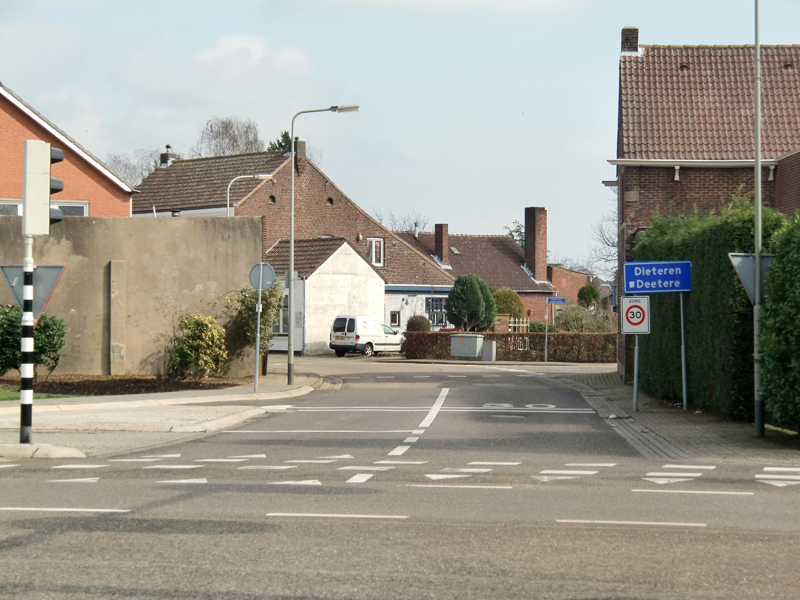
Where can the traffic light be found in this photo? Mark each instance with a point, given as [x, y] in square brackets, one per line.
[37, 186]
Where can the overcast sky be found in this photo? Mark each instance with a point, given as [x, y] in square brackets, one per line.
[471, 110]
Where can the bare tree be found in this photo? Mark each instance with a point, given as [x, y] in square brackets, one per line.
[134, 167]
[605, 252]
[223, 136]
[395, 222]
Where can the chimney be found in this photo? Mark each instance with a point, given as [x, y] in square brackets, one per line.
[167, 157]
[416, 230]
[442, 243]
[299, 148]
[630, 39]
[536, 242]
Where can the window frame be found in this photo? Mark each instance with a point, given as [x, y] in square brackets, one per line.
[371, 244]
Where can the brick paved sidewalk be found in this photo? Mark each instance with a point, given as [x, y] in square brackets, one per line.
[664, 430]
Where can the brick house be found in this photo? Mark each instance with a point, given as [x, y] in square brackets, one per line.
[685, 134]
[413, 280]
[91, 188]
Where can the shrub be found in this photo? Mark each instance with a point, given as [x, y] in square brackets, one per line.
[418, 323]
[509, 303]
[197, 349]
[588, 295]
[780, 328]
[239, 306]
[539, 327]
[489, 307]
[470, 304]
[48, 340]
[581, 320]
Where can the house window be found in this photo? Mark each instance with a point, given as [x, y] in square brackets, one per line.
[437, 311]
[73, 209]
[330, 201]
[394, 318]
[375, 251]
[282, 326]
[10, 208]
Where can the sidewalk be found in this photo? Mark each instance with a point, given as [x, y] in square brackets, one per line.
[102, 425]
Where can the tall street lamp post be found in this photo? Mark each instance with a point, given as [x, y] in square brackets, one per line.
[228, 203]
[290, 341]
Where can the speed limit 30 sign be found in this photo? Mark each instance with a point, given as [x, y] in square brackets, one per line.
[636, 314]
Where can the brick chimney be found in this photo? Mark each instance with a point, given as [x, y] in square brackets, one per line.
[536, 242]
[300, 148]
[630, 39]
[167, 158]
[442, 243]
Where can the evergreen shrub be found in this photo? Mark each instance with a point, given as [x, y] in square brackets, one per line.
[48, 340]
[197, 348]
[418, 323]
[509, 303]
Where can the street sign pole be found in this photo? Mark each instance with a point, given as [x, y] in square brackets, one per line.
[26, 347]
[636, 375]
[258, 325]
[683, 357]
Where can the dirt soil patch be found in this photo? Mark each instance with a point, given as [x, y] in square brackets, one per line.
[110, 385]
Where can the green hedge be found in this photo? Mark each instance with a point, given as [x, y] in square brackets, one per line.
[780, 329]
[719, 315]
[528, 347]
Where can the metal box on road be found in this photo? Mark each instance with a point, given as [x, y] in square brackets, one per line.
[466, 345]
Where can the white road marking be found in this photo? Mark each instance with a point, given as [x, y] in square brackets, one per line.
[313, 462]
[794, 477]
[335, 516]
[590, 465]
[81, 510]
[688, 467]
[776, 469]
[365, 468]
[7, 466]
[674, 474]
[221, 460]
[337, 457]
[499, 464]
[437, 476]
[507, 416]
[455, 376]
[399, 451]
[162, 456]
[492, 375]
[371, 431]
[777, 483]
[694, 492]
[303, 482]
[546, 479]
[250, 456]
[654, 523]
[466, 487]
[410, 440]
[186, 481]
[360, 478]
[79, 466]
[175, 467]
[269, 467]
[663, 480]
[385, 377]
[435, 408]
[455, 470]
[400, 462]
[567, 472]
[421, 376]
[350, 377]
[134, 459]
[417, 432]
[85, 480]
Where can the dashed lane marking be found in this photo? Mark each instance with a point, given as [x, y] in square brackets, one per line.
[145, 460]
[185, 481]
[457, 470]
[674, 474]
[787, 469]
[499, 464]
[428, 420]
[437, 476]
[653, 523]
[708, 467]
[507, 416]
[250, 456]
[663, 480]
[786, 477]
[567, 472]
[79, 510]
[410, 440]
[7, 466]
[78, 466]
[399, 451]
[590, 465]
[695, 492]
[268, 467]
[338, 456]
[310, 461]
[162, 456]
[336, 516]
[401, 462]
[360, 478]
[221, 460]
[552, 478]
[84, 480]
[466, 487]
[347, 431]
[175, 467]
[365, 468]
[303, 482]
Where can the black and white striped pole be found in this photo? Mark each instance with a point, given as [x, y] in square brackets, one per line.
[37, 185]
[26, 347]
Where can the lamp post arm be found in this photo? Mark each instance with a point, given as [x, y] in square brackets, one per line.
[228, 196]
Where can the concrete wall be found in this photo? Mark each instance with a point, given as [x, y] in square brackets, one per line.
[127, 281]
[344, 284]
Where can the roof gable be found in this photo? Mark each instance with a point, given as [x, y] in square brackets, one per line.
[63, 138]
[203, 182]
[309, 255]
[696, 102]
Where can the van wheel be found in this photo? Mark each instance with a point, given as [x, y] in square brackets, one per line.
[368, 350]
[340, 353]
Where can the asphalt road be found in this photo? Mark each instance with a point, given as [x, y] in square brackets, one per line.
[411, 481]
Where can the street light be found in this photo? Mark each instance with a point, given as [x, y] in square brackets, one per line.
[290, 341]
[228, 204]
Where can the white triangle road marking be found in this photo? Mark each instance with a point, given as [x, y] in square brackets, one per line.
[436, 476]
[304, 482]
[777, 483]
[360, 478]
[663, 480]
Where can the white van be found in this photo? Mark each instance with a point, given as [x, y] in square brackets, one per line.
[365, 334]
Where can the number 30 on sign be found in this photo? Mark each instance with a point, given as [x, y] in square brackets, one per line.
[636, 314]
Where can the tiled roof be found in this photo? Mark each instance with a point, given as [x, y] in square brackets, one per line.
[696, 102]
[62, 135]
[203, 182]
[308, 255]
[497, 259]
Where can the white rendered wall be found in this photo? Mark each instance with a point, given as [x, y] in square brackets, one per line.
[344, 284]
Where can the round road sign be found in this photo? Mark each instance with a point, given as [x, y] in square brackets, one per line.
[635, 315]
[264, 274]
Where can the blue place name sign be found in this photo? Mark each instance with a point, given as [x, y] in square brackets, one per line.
[556, 300]
[655, 277]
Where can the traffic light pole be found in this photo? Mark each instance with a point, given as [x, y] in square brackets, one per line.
[26, 347]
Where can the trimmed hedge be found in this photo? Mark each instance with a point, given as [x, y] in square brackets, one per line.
[528, 347]
[719, 316]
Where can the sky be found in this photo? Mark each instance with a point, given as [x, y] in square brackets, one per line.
[470, 110]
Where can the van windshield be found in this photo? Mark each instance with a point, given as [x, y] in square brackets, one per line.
[339, 325]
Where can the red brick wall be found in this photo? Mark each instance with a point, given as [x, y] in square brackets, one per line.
[567, 283]
[535, 304]
[321, 209]
[82, 182]
[536, 241]
[787, 184]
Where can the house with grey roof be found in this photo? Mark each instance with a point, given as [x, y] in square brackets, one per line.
[685, 135]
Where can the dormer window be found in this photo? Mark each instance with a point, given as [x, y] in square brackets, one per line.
[375, 251]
